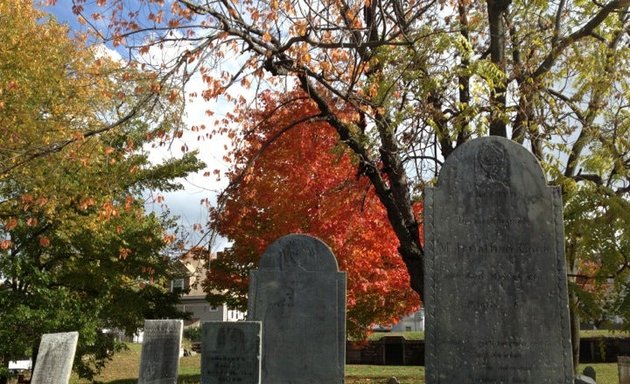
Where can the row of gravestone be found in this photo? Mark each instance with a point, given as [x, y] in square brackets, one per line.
[296, 333]
[296, 328]
[231, 354]
[495, 287]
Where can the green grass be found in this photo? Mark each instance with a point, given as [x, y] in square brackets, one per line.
[606, 373]
[603, 333]
[420, 335]
[363, 374]
[124, 370]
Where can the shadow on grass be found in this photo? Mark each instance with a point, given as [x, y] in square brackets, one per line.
[183, 379]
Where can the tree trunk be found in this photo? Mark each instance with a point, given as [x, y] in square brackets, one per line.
[3, 379]
[574, 318]
[575, 331]
[392, 189]
[413, 256]
[496, 11]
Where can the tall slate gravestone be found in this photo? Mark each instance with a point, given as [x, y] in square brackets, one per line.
[230, 352]
[54, 358]
[159, 359]
[496, 290]
[300, 296]
[623, 365]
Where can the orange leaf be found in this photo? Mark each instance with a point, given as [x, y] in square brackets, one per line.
[123, 253]
[44, 241]
[11, 224]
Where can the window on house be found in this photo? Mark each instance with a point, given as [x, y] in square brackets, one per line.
[177, 285]
[213, 308]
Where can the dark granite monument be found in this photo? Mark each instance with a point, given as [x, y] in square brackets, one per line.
[159, 359]
[231, 352]
[496, 289]
[55, 358]
[300, 296]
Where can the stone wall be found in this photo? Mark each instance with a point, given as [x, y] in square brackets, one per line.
[399, 351]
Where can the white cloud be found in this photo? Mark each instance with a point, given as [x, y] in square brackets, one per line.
[101, 51]
[186, 204]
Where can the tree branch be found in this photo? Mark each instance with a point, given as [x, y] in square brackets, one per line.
[585, 31]
[133, 113]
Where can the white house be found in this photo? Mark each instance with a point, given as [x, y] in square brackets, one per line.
[193, 269]
[413, 322]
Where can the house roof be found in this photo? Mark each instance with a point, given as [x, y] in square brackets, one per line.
[194, 263]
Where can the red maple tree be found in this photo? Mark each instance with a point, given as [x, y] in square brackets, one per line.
[304, 181]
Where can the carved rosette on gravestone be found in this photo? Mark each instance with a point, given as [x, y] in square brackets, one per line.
[54, 358]
[159, 359]
[495, 289]
[231, 352]
[300, 296]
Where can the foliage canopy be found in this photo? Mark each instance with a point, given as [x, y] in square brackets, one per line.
[77, 251]
[305, 182]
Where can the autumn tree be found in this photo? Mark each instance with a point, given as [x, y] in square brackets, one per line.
[306, 182]
[77, 250]
[421, 78]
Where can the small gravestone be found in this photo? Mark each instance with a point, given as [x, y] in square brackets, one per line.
[623, 364]
[590, 372]
[231, 352]
[300, 296]
[159, 359]
[54, 358]
[495, 289]
[583, 379]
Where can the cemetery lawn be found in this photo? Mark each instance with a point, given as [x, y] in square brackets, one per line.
[373, 374]
[124, 370]
[419, 335]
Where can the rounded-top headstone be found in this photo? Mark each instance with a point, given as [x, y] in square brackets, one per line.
[301, 252]
[495, 278]
[590, 372]
[299, 295]
[493, 160]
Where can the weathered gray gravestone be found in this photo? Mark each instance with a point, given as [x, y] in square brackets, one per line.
[583, 379]
[159, 359]
[590, 372]
[623, 364]
[54, 358]
[300, 296]
[230, 352]
[496, 290]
